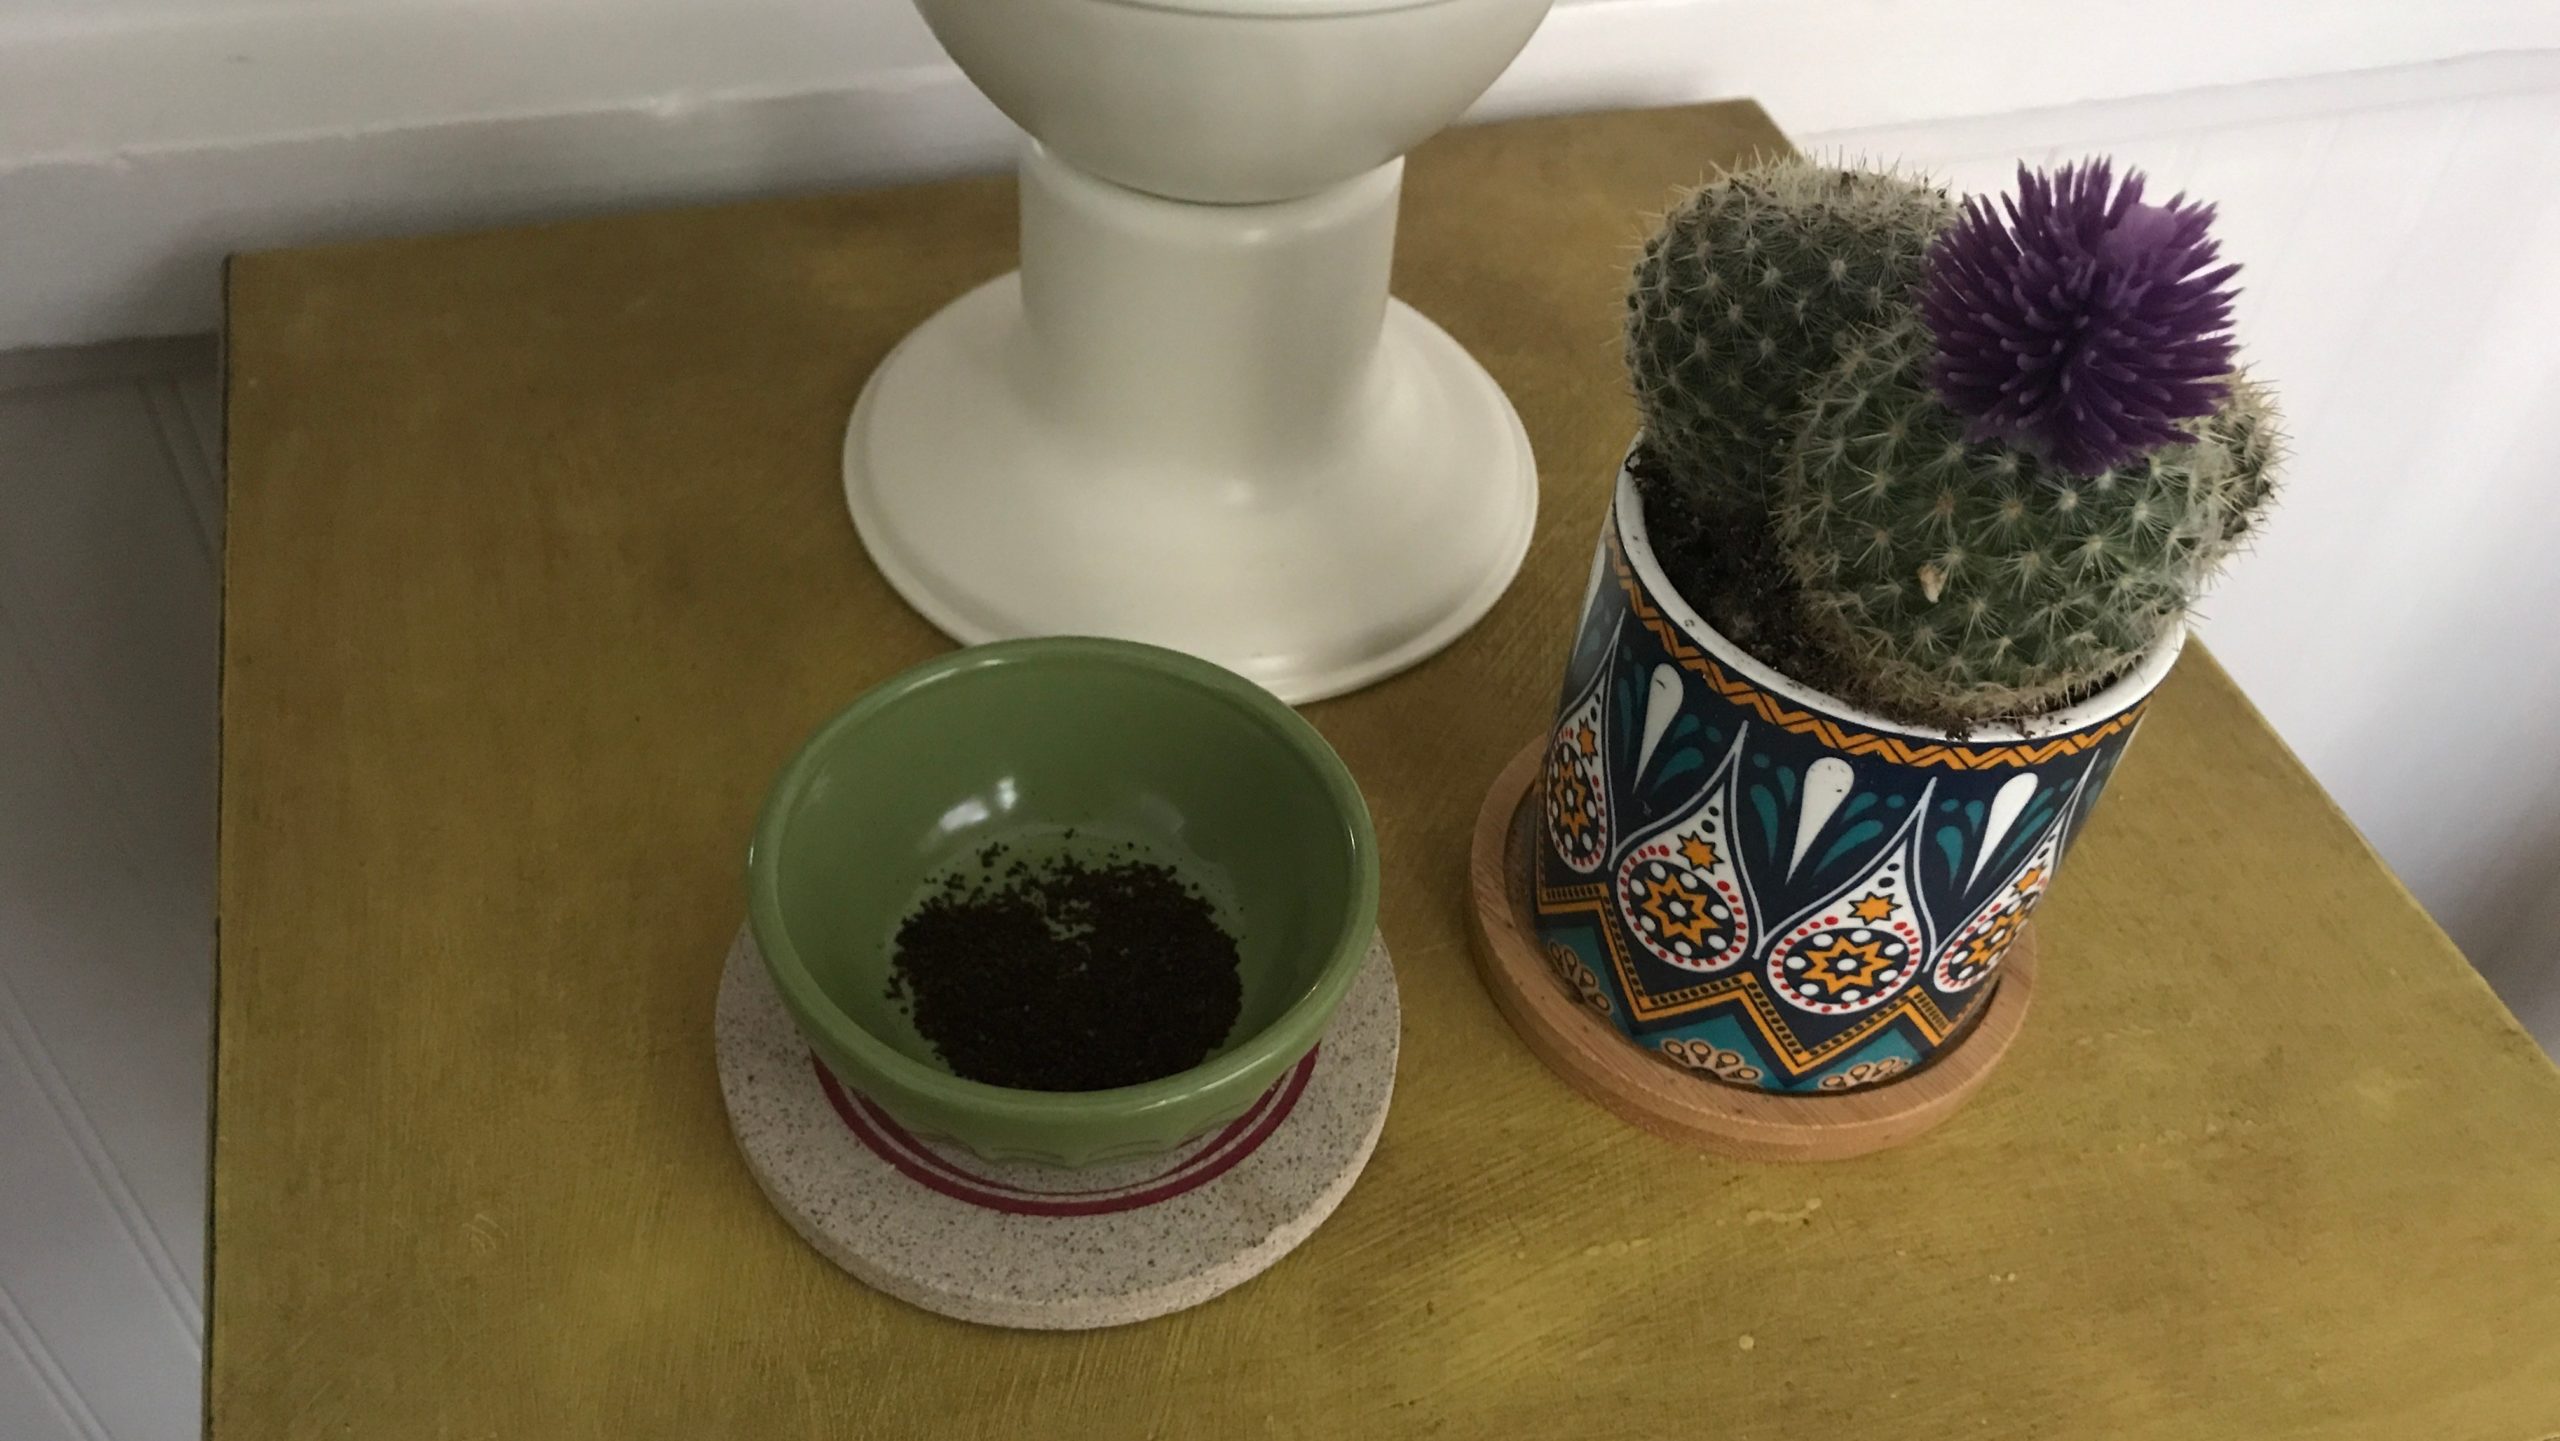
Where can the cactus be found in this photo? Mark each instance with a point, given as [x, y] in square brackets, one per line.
[1739, 301]
[1958, 580]
[1957, 465]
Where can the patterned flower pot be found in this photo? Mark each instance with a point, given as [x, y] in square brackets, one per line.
[1767, 885]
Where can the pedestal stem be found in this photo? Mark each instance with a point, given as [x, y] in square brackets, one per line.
[1211, 338]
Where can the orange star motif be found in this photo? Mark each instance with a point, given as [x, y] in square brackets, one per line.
[2027, 880]
[1987, 944]
[1589, 742]
[1569, 805]
[1677, 914]
[1701, 853]
[1842, 964]
[1872, 907]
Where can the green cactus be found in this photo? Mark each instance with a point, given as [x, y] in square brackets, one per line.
[1740, 300]
[1957, 581]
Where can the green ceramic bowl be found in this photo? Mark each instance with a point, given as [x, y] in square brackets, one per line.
[1020, 743]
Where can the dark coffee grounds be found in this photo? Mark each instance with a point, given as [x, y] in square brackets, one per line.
[1067, 975]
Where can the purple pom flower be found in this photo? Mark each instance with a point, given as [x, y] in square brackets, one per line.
[2086, 325]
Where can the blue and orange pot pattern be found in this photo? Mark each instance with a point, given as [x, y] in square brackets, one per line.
[1764, 884]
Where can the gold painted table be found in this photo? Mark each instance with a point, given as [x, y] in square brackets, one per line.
[538, 568]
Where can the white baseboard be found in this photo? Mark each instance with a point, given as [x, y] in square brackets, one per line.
[133, 156]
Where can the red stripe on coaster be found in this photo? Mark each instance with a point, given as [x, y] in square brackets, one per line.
[1203, 1154]
[895, 1145]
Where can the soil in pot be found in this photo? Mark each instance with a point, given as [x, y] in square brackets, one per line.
[1067, 972]
[1732, 574]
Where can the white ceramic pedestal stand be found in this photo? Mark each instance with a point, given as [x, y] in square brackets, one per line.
[1194, 417]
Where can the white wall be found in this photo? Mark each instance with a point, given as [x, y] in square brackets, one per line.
[26, 17]
[2387, 170]
[133, 156]
[109, 598]
[141, 141]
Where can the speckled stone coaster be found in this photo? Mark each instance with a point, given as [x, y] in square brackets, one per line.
[1020, 1244]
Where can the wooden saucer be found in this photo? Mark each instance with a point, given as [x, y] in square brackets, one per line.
[1600, 1062]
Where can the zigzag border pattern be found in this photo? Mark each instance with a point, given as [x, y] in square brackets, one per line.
[1830, 733]
[1742, 991]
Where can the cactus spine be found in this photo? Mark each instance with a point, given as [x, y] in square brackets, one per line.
[1743, 294]
[1961, 581]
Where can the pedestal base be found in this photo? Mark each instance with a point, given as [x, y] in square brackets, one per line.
[1329, 569]
[1595, 1059]
[1028, 1245]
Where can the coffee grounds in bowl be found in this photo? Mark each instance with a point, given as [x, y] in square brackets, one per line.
[1067, 975]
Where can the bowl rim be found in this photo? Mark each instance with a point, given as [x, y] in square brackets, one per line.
[1270, 1049]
